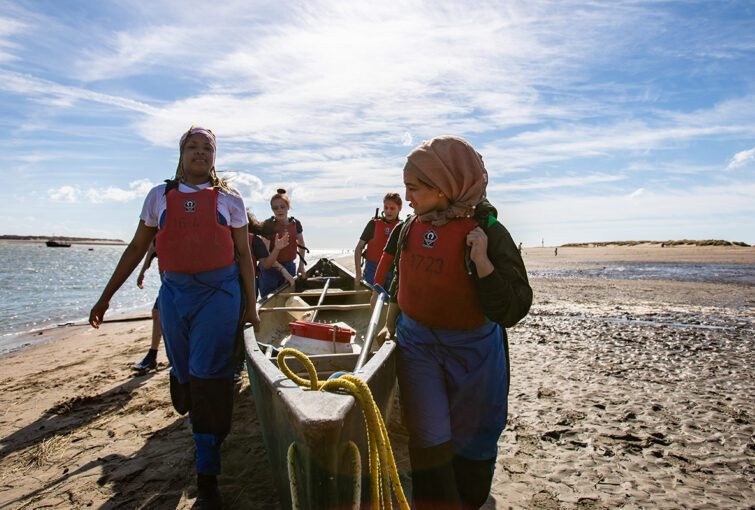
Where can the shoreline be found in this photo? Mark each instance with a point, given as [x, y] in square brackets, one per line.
[536, 259]
[41, 240]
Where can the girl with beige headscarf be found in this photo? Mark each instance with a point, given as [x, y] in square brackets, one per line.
[461, 281]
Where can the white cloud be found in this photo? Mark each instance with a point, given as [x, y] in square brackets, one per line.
[250, 186]
[137, 189]
[63, 194]
[637, 193]
[50, 93]
[9, 28]
[741, 158]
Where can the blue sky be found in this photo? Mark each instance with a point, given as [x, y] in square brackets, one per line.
[597, 121]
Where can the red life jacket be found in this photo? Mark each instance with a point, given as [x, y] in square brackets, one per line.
[377, 243]
[287, 254]
[434, 287]
[251, 250]
[192, 240]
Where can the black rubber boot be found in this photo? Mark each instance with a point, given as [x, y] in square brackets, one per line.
[180, 395]
[208, 495]
[433, 479]
[473, 479]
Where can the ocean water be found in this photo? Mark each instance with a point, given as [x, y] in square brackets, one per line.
[42, 287]
[734, 274]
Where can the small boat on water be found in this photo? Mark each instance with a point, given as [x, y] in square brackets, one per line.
[327, 317]
[52, 243]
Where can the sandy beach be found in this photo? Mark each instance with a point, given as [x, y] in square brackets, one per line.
[624, 393]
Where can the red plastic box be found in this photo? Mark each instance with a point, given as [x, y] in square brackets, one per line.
[318, 331]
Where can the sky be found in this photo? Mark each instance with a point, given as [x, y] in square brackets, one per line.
[596, 120]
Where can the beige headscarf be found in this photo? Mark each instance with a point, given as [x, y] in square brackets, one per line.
[451, 165]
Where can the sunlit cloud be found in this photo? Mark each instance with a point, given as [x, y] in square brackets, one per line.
[637, 193]
[51, 93]
[741, 159]
[136, 190]
[63, 194]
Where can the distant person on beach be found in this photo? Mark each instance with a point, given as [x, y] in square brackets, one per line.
[280, 224]
[520, 248]
[150, 360]
[555, 251]
[198, 221]
[459, 282]
[261, 258]
[374, 236]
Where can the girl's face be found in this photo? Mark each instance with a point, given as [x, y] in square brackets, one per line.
[197, 158]
[280, 209]
[421, 198]
[390, 210]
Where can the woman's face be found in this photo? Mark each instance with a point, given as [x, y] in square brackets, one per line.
[421, 198]
[280, 209]
[197, 158]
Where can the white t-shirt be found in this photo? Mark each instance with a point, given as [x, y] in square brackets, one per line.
[231, 207]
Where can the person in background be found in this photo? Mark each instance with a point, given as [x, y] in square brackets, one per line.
[460, 281]
[278, 225]
[374, 236]
[150, 360]
[261, 258]
[199, 224]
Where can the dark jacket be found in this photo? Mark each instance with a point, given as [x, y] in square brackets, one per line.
[505, 294]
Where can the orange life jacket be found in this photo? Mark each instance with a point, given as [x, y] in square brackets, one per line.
[192, 240]
[375, 245]
[287, 254]
[435, 288]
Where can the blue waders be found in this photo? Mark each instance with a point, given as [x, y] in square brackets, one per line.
[271, 279]
[199, 316]
[454, 394]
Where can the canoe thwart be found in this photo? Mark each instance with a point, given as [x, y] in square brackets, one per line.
[360, 306]
[330, 293]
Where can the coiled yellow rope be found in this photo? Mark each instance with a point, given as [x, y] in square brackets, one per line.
[381, 461]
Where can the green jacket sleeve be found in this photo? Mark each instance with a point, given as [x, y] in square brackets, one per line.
[505, 294]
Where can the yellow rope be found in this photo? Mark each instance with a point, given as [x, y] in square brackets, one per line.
[292, 484]
[383, 472]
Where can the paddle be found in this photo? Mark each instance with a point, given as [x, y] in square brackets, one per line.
[383, 297]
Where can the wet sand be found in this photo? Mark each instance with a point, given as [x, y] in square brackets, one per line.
[634, 393]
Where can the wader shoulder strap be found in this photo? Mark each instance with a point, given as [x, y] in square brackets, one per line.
[399, 246]
[170, 184]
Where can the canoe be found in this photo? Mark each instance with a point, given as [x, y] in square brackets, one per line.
[319, 424]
